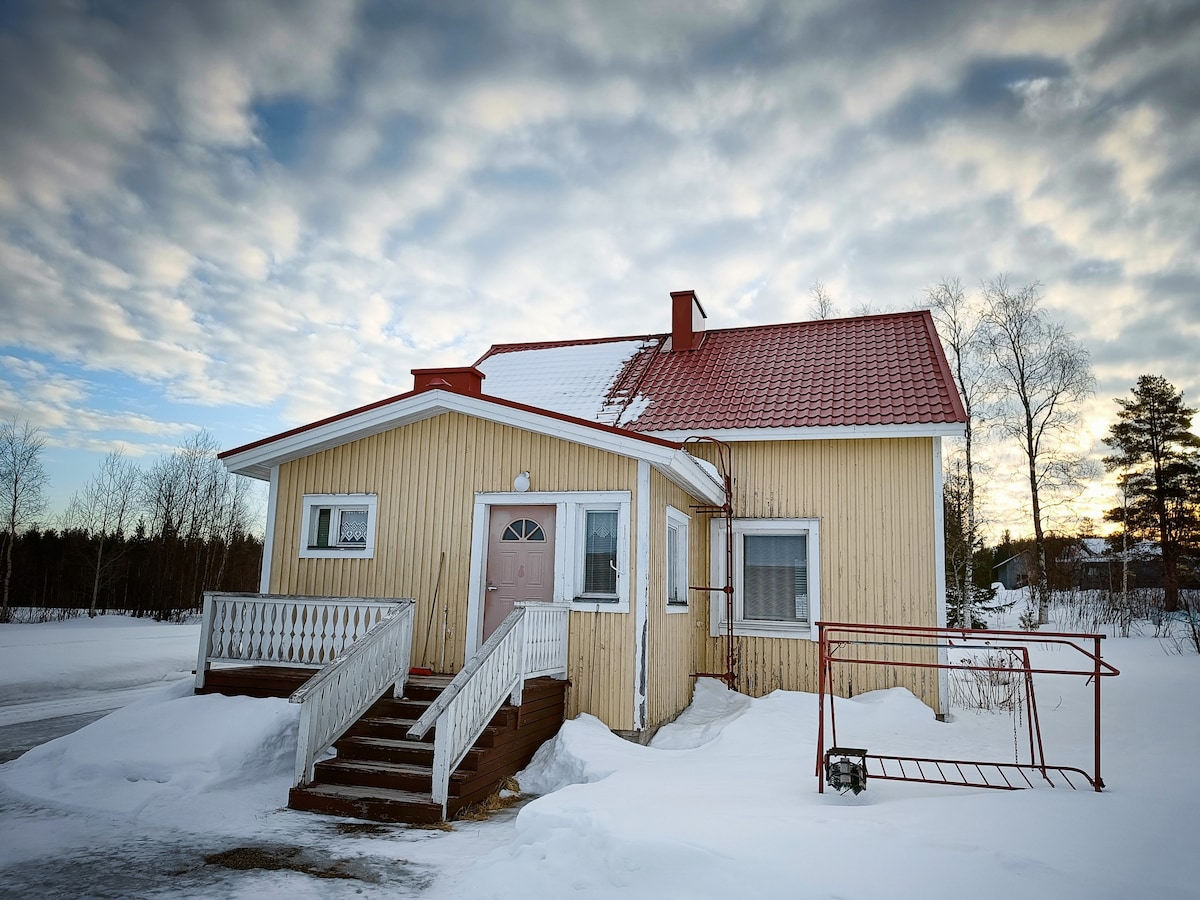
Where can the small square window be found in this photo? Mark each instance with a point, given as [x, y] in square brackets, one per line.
[338, 525]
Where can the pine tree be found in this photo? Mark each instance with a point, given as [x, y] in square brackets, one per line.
[1159, 465]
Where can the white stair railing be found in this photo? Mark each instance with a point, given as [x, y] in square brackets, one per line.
[531, 641]
[282, 630]
[340, 693]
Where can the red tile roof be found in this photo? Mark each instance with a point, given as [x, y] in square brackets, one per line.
[882, 370]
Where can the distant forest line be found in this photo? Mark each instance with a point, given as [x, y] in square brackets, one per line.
[149, 576]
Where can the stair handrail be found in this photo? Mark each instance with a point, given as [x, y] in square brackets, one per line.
[531, 641]
[338, 695]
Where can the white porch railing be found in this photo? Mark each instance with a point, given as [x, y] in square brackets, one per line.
[340, 693]
[282, 630]
[531, 641]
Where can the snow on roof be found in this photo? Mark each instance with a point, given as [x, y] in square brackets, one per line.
[1143, 549]
[573, 379]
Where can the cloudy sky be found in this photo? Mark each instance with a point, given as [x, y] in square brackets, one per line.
[243, 216]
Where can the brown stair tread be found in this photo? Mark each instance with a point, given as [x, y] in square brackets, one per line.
[379, 767]
[374, 765]
[382, 743]
[358, 792]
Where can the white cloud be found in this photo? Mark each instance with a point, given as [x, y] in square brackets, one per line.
[287, 206]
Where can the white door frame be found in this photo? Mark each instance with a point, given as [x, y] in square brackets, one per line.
[566, 504]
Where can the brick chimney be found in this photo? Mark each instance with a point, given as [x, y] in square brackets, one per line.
[463, 379]
[687, 321]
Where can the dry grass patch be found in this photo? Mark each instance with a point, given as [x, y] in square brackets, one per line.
[506, 796]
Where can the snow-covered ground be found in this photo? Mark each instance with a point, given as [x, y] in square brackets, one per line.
[182, 796]
[84, 665]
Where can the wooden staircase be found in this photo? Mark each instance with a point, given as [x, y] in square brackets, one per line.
[382, 775]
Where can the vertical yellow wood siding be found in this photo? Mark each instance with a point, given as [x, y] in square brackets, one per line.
[874, 502]
[873, 499]
[426, 476]
[673, 638]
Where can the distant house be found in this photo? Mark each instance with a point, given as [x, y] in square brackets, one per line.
[1013, 572]
[1097, 565]
[591, 475]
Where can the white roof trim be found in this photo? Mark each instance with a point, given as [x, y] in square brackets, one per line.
[827, 433]
[679, 467]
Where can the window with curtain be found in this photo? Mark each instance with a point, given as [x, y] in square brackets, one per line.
[775, 577]
[600, 552]
[337, 524]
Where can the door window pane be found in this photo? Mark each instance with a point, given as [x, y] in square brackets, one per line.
[523, 530]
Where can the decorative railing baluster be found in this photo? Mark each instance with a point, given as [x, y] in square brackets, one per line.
[282, 631]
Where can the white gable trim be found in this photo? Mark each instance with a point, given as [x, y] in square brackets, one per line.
[829, 433]
[676, 465]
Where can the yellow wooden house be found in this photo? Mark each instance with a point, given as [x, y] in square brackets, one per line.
[637, 510]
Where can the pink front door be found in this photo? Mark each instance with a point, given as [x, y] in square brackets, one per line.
[520, 560]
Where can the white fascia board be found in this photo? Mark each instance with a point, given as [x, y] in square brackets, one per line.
[829, 433]
[684, 472]
[257, 461]
[676, 465]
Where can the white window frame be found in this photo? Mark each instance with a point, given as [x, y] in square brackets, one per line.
[337, 503]
[679, 521]
[579, 546]
[756, 628]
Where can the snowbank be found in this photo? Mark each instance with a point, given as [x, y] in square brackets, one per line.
[725, 803]
[169, 758]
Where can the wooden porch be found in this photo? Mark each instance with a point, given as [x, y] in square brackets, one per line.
[408, 748]
[382, 775]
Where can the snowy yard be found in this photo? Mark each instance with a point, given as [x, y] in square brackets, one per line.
[182, 796]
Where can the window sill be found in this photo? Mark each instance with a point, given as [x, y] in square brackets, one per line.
[768, 630]
[677, 608]
[600, 604]
[337, 553]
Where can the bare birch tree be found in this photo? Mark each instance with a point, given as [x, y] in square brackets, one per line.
[1044, 374]
[197, 508]
[960, 322]
[103, 509]
[23, 485]
[822, 304]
